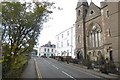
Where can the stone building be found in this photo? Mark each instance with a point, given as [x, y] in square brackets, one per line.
[97, 30]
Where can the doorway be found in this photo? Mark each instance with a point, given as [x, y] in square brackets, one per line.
[78, 57]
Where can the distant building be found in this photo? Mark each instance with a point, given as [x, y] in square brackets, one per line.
[66, 42]
[34, 53]
[98, 30]
[47, 50]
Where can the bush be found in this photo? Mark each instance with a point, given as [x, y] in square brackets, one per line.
[16, 68]
[74, 61]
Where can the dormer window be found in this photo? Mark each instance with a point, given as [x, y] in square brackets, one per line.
[78, 12]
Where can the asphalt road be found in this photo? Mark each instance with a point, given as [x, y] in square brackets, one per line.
[50, 68]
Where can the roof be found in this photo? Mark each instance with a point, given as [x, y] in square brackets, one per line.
[49, 45]
[82, 2]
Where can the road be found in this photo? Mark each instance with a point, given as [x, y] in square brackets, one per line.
[50, 68]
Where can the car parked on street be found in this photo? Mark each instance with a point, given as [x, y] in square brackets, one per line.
[43, 56]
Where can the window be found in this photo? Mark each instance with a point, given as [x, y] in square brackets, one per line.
[61, 44]
[68, 33]
[45, 50]
[92, 12]
[58, 37]
[79, 39]
[95, 37]
[78, 12]
[85, 10]
[52, 50]
[51, 54]
[62, 35]
[47, 54]
[67, 42]
[57, 45]
[48, 50]
[78, 26]
[67, 52]
[109, 33]
[107, 13]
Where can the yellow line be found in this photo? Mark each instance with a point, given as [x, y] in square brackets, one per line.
[37, 70]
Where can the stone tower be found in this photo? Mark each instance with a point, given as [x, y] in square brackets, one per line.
[81, 11]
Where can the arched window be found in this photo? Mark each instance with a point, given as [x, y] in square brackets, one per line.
[95, 37]
[78, 12]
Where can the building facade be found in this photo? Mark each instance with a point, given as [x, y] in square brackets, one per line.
[98, 30]
[66, 42]
[47, 50]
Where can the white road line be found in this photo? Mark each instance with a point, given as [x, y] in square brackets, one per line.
[76, 68]
[68, 75]
[47, 62]
[55, 67]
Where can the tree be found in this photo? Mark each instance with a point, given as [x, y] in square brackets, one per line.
[0, 7]
[22, 24]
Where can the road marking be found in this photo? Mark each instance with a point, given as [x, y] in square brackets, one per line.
[68, 75]
[37, 69]
[55, 66]
[84, 71]
[47, 62]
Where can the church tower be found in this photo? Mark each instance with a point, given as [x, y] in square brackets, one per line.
[81, 12]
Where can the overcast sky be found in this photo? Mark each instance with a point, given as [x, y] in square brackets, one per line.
[62, 19]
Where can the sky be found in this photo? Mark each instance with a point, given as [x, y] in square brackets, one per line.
[62, 19]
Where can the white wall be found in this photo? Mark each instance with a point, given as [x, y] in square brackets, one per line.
[66, 38]
[42, 51]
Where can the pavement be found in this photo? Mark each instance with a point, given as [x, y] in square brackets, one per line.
[97, 72]
[30, 71]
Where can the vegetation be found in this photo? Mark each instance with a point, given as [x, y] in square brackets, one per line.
[22, 24]
[88, 62]
[0, 7]
[101, 60]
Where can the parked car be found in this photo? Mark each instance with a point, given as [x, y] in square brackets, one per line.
[44, 56]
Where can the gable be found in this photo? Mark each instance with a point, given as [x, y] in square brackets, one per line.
[93, 12]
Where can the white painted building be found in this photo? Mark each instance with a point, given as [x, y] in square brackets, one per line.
[66, 42]
[47, 50]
